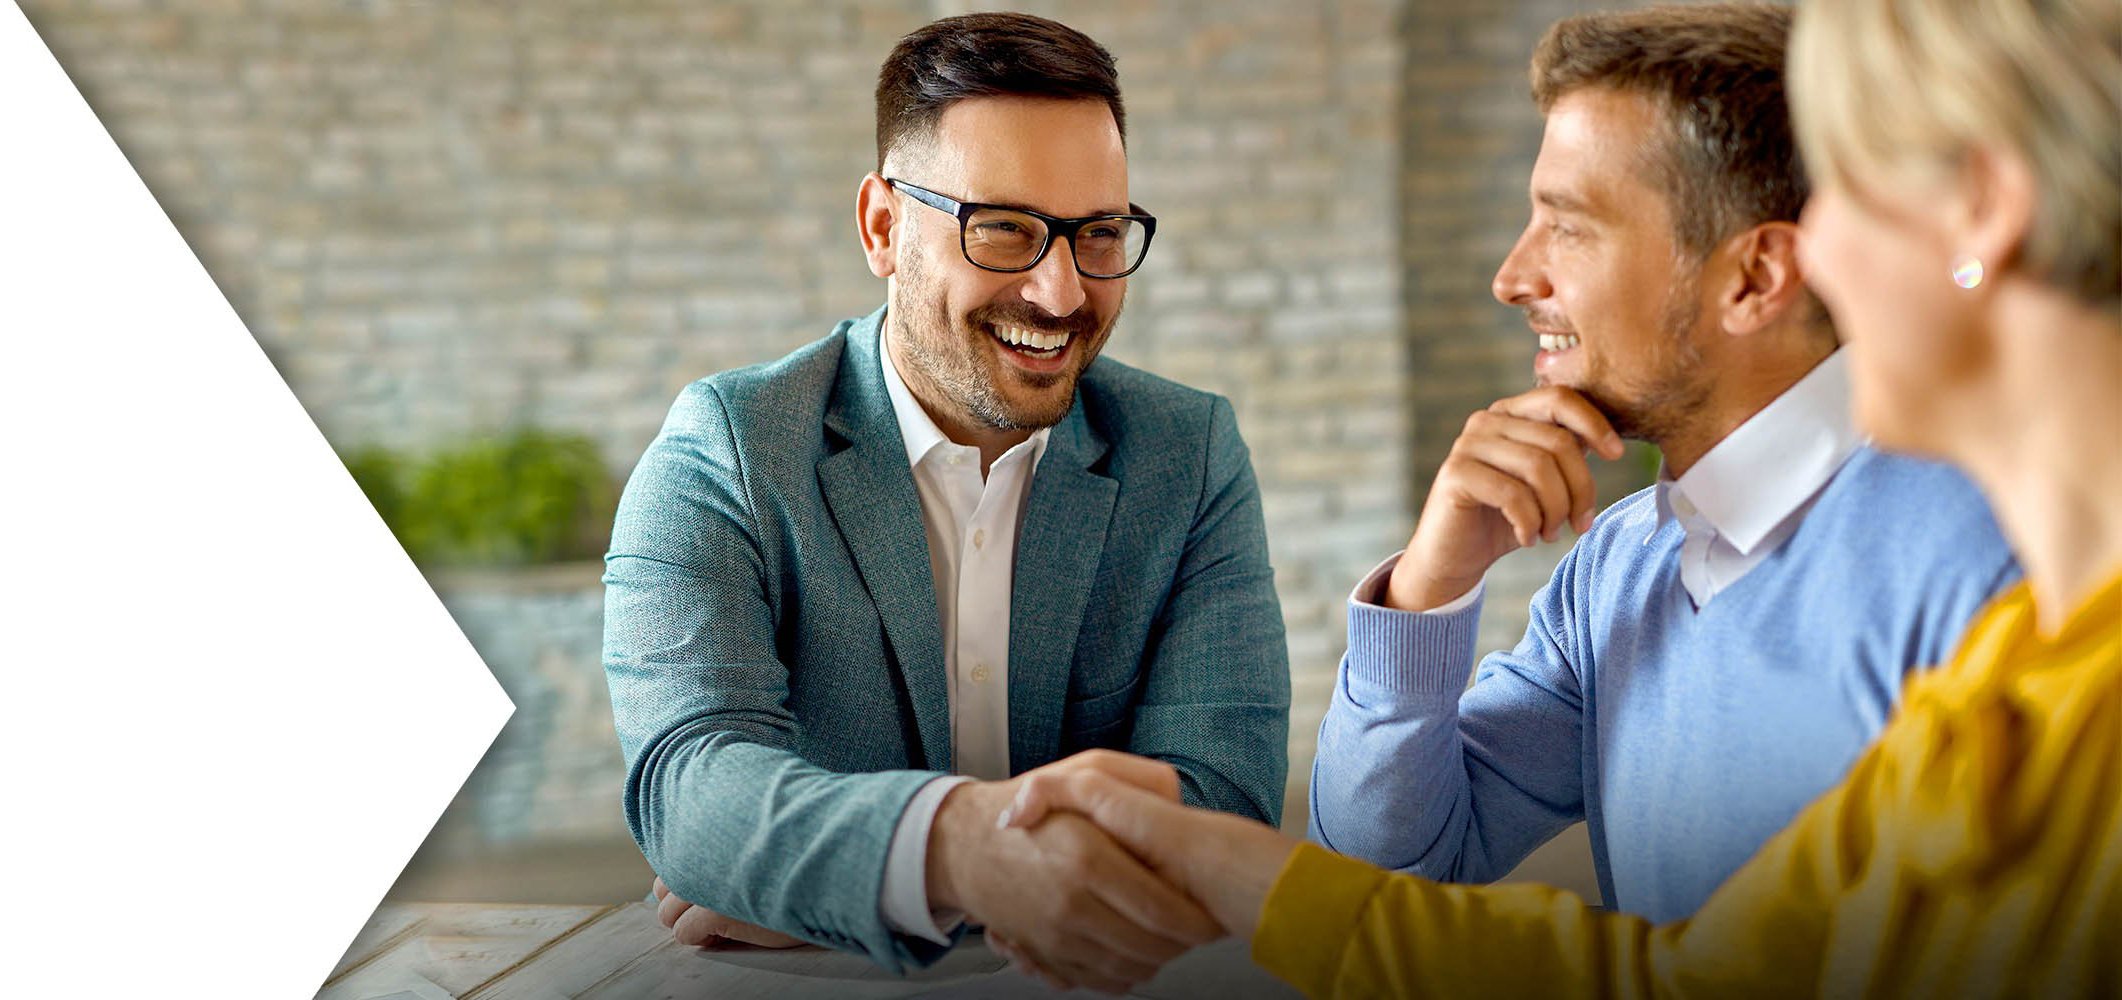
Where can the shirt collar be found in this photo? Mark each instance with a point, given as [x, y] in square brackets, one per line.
[1769, 466]
[916, 427]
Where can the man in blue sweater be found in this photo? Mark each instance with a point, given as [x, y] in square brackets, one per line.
[1715, 650]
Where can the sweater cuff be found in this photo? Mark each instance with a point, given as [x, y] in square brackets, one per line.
[1311, 917]
[1426, 652]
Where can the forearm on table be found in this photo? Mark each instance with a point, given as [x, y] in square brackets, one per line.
[738, 827]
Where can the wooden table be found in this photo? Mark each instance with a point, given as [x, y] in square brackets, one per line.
[486, 951]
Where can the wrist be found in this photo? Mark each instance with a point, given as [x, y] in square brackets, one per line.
[1232, 874]
[964, 820]
[1410, 589]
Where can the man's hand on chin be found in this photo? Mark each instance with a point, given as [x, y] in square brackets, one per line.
[1516, 475]
[698, 926]
[1065, 897]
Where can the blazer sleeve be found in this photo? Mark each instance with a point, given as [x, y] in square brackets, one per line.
[720, 804]
[1216, 702]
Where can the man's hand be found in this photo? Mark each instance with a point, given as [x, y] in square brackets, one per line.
[1064, 897]
[1516, 475]
[1228, 863]
[698, 926]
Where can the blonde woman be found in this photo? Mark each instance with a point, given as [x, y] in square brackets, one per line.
[1965, 232]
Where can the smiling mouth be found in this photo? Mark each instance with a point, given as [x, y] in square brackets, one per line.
[1030, 343]
[1558, 341]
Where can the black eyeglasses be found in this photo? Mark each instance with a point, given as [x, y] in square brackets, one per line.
[1006, 239]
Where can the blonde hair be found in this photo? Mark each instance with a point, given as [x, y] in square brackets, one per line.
[1880, 88]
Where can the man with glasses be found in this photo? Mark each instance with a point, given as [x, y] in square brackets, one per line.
[852, 593]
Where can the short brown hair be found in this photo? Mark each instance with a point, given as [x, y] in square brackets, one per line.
[987, 55]
[1716, 73]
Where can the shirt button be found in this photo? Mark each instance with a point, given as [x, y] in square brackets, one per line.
[980, 674]
[979, 538]
[956, 460]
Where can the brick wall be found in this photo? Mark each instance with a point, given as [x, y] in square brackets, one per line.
[442, 219]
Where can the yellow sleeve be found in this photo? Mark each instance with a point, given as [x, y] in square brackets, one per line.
[1337, 927]
[1975, 850]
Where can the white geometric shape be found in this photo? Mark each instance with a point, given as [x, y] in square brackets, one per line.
[241, 706]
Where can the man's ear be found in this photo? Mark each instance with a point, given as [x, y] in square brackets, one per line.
[1766, 284]
[876, 213]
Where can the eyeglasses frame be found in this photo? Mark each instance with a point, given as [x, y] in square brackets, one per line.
[1055, 226]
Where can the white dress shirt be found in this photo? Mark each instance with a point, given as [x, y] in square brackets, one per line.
[972, 528]
[1744, 497]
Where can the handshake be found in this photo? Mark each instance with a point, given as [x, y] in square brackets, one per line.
[1087, 873]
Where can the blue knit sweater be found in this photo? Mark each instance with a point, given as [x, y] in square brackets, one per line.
[1684, 737]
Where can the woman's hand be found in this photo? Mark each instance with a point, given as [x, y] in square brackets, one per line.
[1225, 863]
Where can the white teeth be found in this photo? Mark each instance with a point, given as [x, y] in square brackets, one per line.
[1557, 341]
[1036, 341]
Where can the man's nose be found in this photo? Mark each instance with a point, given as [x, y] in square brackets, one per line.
[1521, 278]
[1053, 284]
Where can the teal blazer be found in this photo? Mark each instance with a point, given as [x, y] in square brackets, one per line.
[776, 661]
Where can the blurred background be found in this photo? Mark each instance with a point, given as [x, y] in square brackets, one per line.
[486, 243]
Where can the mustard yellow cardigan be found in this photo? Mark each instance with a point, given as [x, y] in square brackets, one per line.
[1975, 850]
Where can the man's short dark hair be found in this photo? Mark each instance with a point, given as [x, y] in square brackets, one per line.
[1716, 75]
[987, 55]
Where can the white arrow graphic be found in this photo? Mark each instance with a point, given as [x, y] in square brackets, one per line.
[232, 708]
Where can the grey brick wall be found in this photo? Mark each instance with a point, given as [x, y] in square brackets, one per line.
[442, 219]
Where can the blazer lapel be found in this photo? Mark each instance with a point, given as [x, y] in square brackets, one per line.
[1058, 552]
[869, 489]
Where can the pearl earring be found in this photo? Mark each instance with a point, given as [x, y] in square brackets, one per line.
[1967, 271]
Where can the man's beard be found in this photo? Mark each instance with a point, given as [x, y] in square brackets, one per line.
[951, 355]
[1673, 393]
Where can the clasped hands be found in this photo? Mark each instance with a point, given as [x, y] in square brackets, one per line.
[1087, 873]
